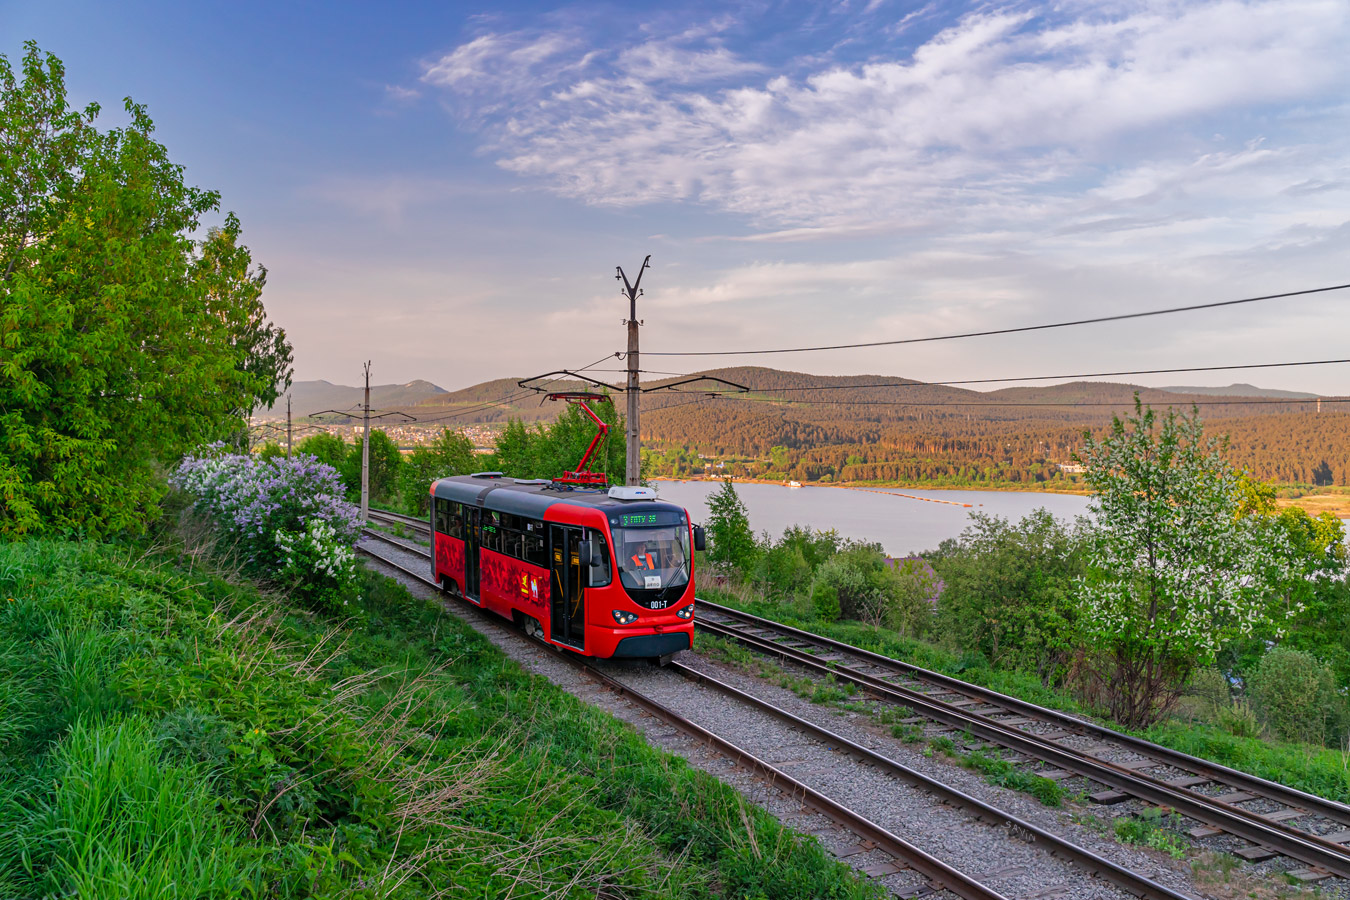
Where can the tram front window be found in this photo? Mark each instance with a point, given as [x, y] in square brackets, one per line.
[652, 558]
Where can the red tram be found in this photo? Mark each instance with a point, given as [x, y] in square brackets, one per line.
[605, 573]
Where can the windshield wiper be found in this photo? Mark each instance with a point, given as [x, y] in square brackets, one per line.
[670, 584]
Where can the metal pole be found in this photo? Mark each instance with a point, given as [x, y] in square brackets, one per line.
[288, 426]
[633, 467]
[365, 454]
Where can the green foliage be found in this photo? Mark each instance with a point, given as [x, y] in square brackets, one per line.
[547, 451]
[271, 450]
[238, 738]
[784, 568]
[1152, 828]
[1176, 572]
[1008, 591]
[730, 539]
[125, 342]
[112, 820]
[450, 454]
[328, 449]
[1296, 696]
[1002, 773]
[386, 464]
[1239, 719]
[825, 601]
[914, 586]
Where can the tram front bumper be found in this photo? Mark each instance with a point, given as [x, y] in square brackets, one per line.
[623, 643]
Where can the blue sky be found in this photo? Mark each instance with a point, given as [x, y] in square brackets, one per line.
[446, 188]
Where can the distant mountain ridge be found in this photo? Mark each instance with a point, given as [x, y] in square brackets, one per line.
[309, 397]
[1241, 390]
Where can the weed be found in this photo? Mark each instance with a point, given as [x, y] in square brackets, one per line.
[1152, 828]
[889, 715]
[910, 734]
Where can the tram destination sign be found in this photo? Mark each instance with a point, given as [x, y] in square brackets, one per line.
[648, 519]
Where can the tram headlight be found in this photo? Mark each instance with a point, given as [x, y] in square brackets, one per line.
[624, 617]
[686, 612]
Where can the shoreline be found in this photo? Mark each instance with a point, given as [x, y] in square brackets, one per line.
[1337, 504]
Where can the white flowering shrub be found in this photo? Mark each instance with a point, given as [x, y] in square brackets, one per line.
[288, 518]
[318, 568]
[1174, 571]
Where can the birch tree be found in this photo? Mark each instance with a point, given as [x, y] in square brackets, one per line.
[1174, 570]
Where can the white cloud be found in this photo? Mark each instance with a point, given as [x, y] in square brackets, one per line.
[996, 118]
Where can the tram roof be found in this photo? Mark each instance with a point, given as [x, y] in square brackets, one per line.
[530, 498]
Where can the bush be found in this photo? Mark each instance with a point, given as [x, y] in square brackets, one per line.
[825, 601]
[1009, 592]
[287, 519]
[1295, 695]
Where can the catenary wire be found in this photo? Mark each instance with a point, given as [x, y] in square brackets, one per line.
[995, 331]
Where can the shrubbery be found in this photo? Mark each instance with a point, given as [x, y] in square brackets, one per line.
[1295, 694]
[286, 519]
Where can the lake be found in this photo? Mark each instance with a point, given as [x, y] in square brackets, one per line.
[902, 520]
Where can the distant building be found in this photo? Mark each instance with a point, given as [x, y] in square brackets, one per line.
[1072, 468]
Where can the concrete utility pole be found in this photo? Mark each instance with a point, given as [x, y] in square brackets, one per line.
[288, 426]
[633, 470]
[365, 453]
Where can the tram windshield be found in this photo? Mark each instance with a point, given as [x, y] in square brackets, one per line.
[652, 558]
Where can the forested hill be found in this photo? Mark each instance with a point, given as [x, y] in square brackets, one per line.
[886, 428]
[810, 427]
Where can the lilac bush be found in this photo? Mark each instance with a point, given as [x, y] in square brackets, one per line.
[287, 517]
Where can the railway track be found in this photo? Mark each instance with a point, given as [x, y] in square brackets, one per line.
[387, 517]
[1309, 829]
[903, 855]
[1136, 768]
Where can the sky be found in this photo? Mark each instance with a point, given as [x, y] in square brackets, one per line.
[445, 189]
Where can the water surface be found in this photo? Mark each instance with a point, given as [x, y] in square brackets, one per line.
[889, 516]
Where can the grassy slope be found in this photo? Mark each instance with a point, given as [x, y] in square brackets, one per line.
[166, 733]
[1313, 769]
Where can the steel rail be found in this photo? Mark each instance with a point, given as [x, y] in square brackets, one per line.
[400, 519]
[938, 873]
[1095, 865]
[1307, 848]
[1330, 809]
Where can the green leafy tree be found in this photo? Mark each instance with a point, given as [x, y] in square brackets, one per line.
[386, 464]
[450, 454]
[549, 450]
[1175, 571]
[328, 449]
[730, 539]
[1315, 585]
[121, 346]
[1010, 591]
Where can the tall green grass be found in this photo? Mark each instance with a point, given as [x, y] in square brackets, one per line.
[169, 733]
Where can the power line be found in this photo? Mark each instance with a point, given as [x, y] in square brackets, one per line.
[912, 384]
[509, 397]
[996, 331]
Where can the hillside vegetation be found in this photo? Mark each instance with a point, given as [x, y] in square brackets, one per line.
[168, 732]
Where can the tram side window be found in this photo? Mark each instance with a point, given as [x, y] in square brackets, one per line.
[456, 521]
[600, 575]
[443, 515]
[536, 549]
[492, 530]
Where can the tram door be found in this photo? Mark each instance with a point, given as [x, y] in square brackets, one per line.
[473, 539]
[567, 597]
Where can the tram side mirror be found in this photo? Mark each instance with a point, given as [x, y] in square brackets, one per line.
[700, 538]
[585, 555]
